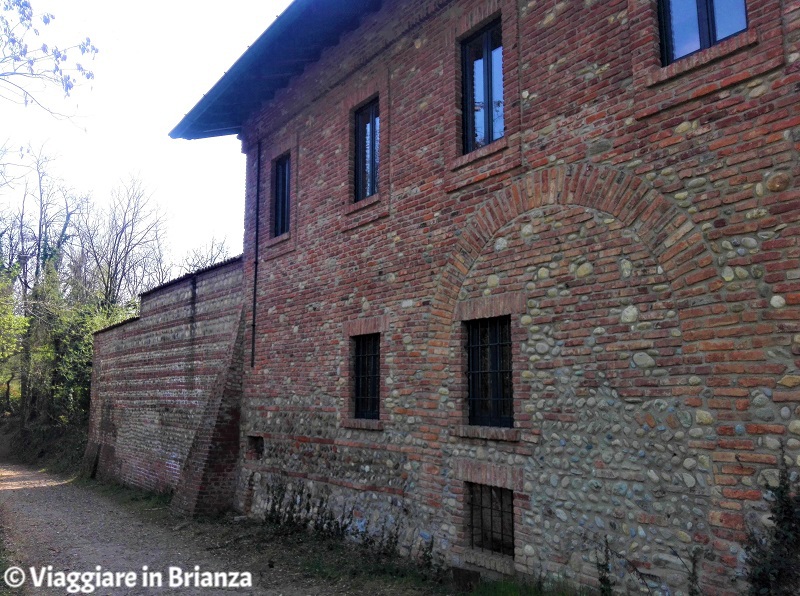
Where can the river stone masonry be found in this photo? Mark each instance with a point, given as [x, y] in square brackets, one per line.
[638, 225]
[603, 461]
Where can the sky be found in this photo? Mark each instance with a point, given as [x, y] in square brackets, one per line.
[156, 59]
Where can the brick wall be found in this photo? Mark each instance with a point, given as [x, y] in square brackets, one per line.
[166, 389]
[640, 225]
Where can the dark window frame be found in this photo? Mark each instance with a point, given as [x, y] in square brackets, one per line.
[490, 386]
[281, 195]
[491, 518]
[367, 155]
[706, 28]
[469, 143]
[366, 354]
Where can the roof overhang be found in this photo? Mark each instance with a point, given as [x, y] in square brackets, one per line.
[296, 38]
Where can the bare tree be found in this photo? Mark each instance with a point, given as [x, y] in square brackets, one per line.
[123, 244]
[37, 230]
[162, 269]
[35, 241]
[28, 66]
[71, 267]
[213, 252]
[13, 166]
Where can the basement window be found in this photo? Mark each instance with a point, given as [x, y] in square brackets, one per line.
[366, 375]
[482, 94]
[491, 518]
[489, 381]
[688, 26]
[255, 447]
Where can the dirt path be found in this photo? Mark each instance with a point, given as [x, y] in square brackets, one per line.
[50, 521]
[76, 526]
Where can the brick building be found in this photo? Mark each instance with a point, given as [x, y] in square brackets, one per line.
[521, 275]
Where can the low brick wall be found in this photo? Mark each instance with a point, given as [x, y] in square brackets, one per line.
[164, 384]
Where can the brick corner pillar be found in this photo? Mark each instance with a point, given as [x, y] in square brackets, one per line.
[208, 478]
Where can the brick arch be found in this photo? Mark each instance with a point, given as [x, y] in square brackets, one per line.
[673, 240]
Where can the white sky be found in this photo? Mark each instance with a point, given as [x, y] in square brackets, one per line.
[157, 58]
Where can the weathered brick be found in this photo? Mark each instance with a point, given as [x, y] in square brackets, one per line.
[630, 222]
[165, 407]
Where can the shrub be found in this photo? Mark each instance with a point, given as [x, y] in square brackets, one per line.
[773, 553]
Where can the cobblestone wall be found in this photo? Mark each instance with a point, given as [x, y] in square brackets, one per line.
[638, 223]
[163, 383]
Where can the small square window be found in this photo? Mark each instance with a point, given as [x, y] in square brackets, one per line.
[489, 379]
[366, 375]
[255, 447]
[281, 195]
[367, 150]
[491, 518]
[688, 26]
[482, 94]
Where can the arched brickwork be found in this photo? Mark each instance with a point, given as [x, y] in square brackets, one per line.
[598, 380]
[677, 411]
[666, 230]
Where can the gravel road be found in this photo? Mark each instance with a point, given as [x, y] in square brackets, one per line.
[74, 526]
[48, 520]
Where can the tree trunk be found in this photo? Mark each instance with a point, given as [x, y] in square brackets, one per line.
[8, 393]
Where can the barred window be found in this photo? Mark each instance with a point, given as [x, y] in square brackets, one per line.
[491, 523]
[366, 375]
[490, 388]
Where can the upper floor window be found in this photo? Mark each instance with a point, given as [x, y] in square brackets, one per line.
[691, 25]
[482, 75]
[281, 195]
[367, 143]
[490, 387]
[366, 375]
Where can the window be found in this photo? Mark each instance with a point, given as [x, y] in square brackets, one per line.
[489, 372]
[482, 68]
[281, 196]
[255, 447]
[366, 375]
[691, 25]
[491, 518]
[367, 141]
